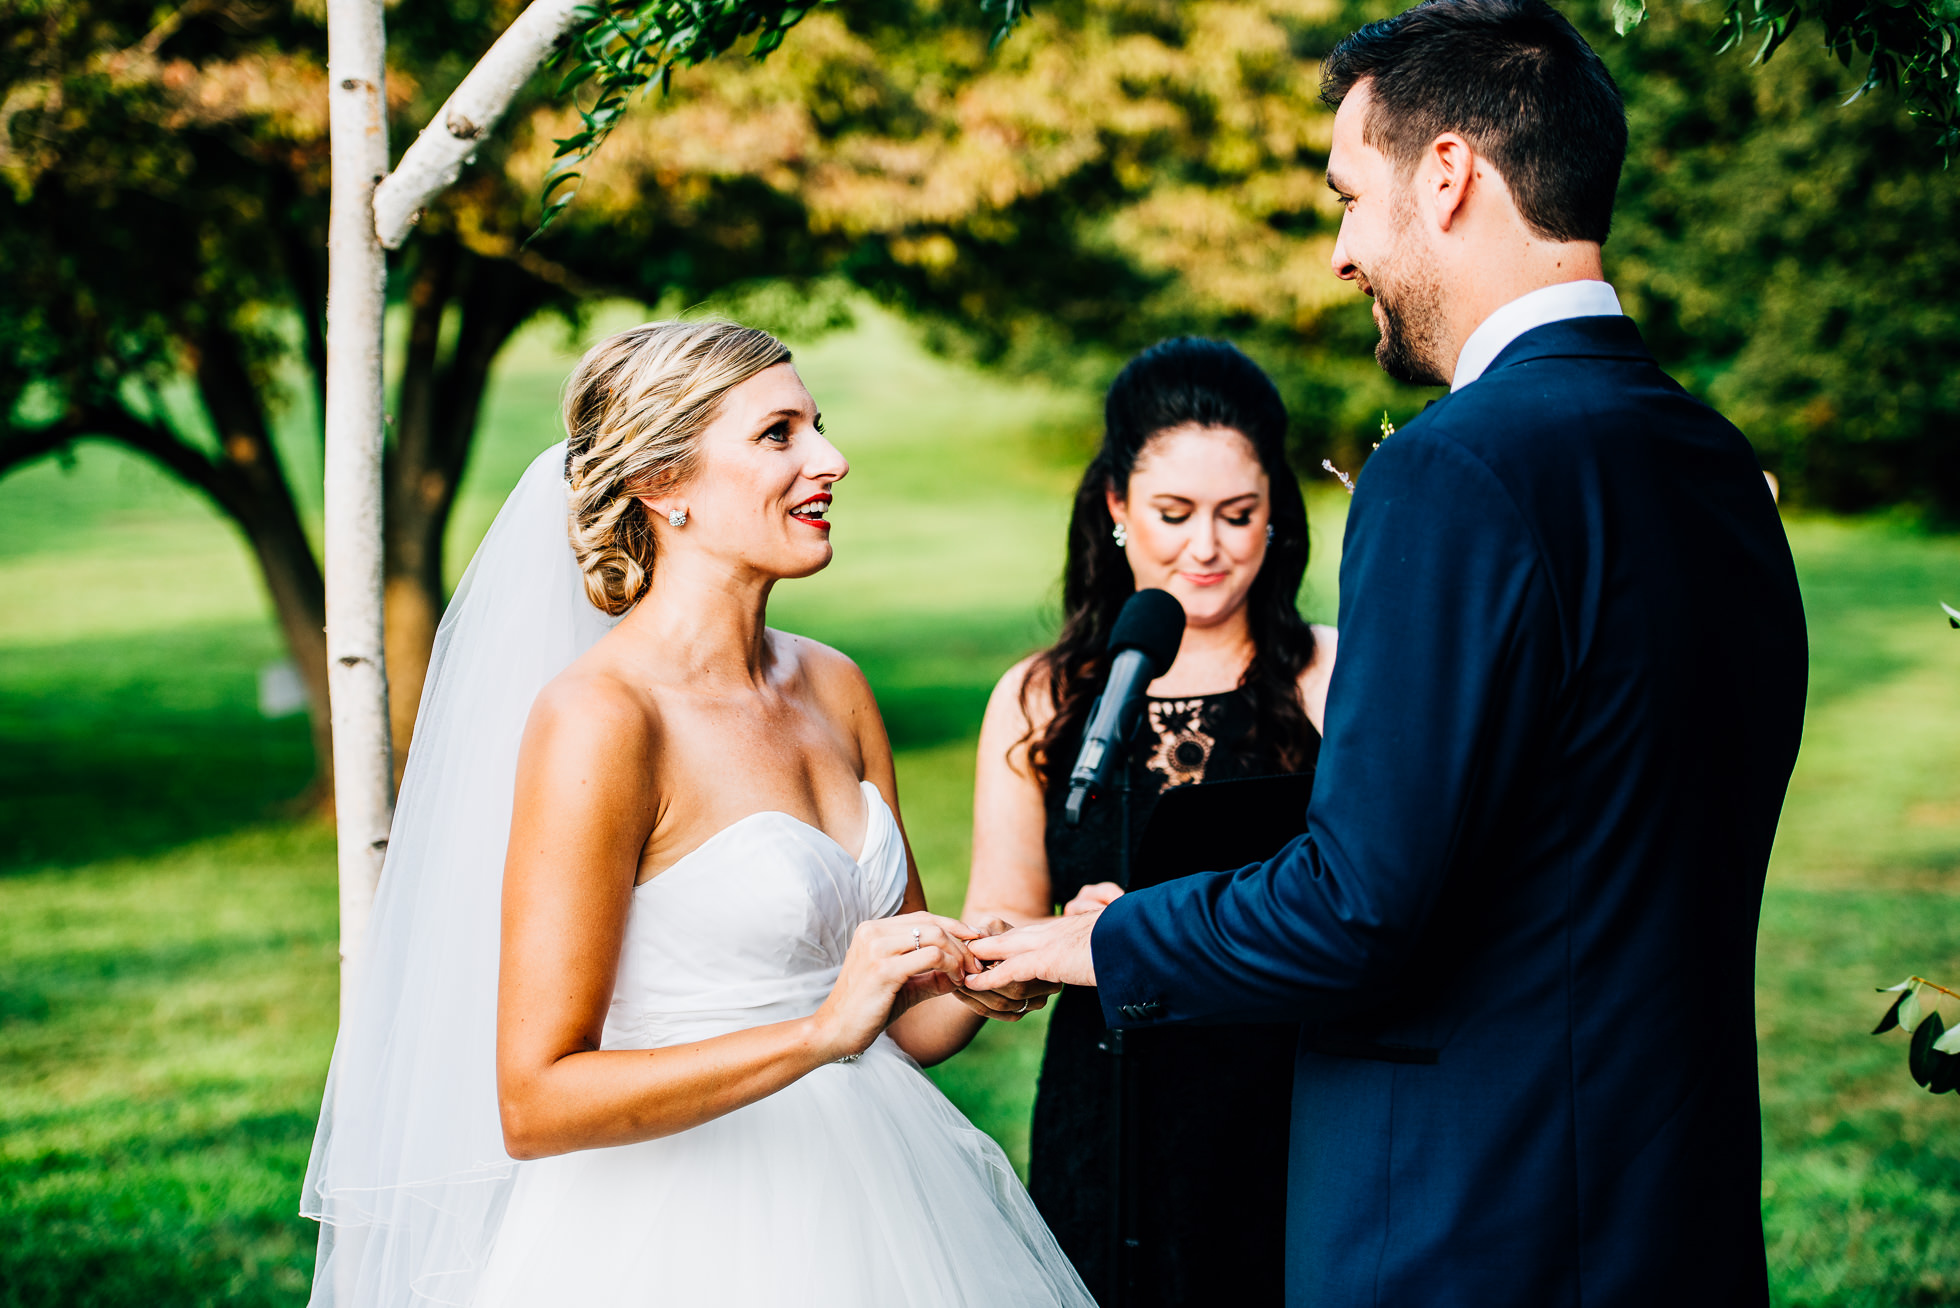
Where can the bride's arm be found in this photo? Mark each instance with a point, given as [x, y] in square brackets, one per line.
[933, 1031]
[584, 807]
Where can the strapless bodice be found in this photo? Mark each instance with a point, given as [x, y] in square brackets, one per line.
[750, 927]
[856, 1186]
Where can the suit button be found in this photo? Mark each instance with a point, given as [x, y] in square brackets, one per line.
[1151, 1009]
[1129, 1011]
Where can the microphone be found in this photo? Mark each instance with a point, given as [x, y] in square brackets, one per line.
[1142, 647]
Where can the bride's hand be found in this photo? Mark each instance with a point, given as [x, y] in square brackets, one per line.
[1012, 1002]
[893, 963]
[1092, 897]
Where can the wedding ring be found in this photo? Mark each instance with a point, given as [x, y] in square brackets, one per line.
[1024, 1006]
[915, 938]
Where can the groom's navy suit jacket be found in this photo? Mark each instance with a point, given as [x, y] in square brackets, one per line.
[1520, 930]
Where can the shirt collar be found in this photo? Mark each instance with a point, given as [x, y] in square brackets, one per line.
[1547, 304]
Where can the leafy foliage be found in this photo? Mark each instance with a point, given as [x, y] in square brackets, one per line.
[1933, 1056]
[1121, 171]
[1125, 170]
[622, 47]
[1908, 46]
[1787, 258]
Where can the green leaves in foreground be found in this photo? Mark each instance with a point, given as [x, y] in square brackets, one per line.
[619, 48]
[1933, 1057]
[1908, 46]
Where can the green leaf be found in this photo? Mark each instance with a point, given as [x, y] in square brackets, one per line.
[1891, 1018]
[1919, 1059]
[1952, 614]
[577, 75]
[1909, 1009]
[1950, 1042]
[1904, 985]
[1946, 1074]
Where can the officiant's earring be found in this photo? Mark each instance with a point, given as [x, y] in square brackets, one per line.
[1121, 535]
[678, 517]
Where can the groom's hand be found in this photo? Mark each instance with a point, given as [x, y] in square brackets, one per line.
[1055, 950]
[1009, 1003]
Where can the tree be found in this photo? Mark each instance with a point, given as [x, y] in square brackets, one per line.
[107, 290]
[1095, 183]
[1788, 259]
[1117, 171]
[1908, 46]
[164, 220]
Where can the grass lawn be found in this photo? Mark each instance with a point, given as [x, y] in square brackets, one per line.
[167, 976]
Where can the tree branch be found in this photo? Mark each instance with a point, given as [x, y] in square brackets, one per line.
[446, 144]
[501, 297]
[22, 446]
[111, 422]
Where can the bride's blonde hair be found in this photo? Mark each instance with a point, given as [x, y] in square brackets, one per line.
[634, 412]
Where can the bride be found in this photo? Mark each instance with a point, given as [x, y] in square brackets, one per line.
[650, 978]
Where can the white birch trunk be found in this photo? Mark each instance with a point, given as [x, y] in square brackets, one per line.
[449, 141]
[357, 679]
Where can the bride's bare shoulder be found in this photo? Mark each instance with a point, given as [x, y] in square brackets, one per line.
[591, 708]
[832, 676]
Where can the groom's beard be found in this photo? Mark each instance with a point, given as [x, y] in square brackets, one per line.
[1411, 315]
[1410, 300]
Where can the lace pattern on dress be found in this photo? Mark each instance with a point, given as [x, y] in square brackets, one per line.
[1186, 735]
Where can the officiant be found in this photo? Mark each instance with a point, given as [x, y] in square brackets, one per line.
[1190, 493]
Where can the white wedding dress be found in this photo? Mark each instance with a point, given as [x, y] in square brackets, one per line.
[858, 1186]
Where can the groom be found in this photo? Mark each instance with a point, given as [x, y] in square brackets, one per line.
[1520, 929]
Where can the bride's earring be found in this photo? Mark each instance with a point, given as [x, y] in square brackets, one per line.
[678, 517]
[1269, 533]
[1121, 535]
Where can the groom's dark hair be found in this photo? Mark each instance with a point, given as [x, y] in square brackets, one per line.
[1515, 79]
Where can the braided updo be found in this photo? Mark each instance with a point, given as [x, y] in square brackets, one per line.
[634, 412]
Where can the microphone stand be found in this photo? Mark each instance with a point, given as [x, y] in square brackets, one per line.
[1124, 1187]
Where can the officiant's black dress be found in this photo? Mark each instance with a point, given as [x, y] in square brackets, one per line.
[1213, 1103]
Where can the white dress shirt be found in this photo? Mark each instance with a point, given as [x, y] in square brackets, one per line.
[1546, 304]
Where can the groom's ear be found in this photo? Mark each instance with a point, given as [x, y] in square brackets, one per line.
[1445, 177]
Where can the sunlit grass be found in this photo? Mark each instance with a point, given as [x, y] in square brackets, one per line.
[167, 974]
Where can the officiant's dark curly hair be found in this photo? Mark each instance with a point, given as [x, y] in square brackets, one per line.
[1181, 382]
[1516, 80]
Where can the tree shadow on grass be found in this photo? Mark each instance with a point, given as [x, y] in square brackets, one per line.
[190, 1216]
[129, 745]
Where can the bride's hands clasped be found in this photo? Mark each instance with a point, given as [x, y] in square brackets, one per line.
[893, 964]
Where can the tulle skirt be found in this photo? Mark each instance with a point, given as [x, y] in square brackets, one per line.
[858, 1186]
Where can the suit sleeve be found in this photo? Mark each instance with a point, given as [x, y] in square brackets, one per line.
[1449, 657]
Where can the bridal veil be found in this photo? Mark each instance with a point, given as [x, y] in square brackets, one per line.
[409, 1177]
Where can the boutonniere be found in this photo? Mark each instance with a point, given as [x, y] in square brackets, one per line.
[1388, 430]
